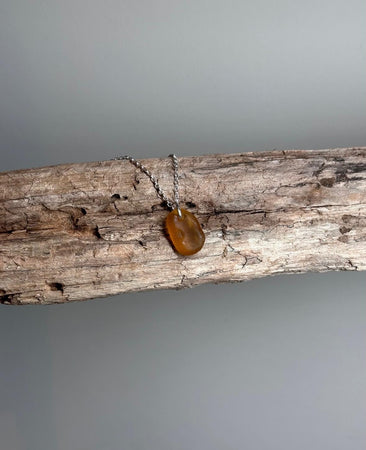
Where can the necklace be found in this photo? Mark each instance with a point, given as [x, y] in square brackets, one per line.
[184, 230]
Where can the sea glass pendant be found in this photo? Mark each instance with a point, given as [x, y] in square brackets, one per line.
[185, 232]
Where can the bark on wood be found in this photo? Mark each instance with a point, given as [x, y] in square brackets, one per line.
[80, 231]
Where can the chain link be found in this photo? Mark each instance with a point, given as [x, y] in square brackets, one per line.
[171, 204]
[176, 181]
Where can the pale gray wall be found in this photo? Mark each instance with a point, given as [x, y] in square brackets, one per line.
[272, 364]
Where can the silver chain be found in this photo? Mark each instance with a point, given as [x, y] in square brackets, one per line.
[169, 203]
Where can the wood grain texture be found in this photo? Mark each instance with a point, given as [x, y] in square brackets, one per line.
[80, 231]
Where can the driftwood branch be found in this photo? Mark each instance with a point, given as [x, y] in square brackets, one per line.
[79, 231]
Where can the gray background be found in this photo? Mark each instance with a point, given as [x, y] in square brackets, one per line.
[276, 363]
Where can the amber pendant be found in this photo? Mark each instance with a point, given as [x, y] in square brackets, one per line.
[185, 232]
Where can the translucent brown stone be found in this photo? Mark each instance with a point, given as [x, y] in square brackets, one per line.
[184, 232]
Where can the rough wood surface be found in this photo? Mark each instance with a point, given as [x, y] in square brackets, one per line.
[79, 231]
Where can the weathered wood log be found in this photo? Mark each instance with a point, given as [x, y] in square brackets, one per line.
[79, 231]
